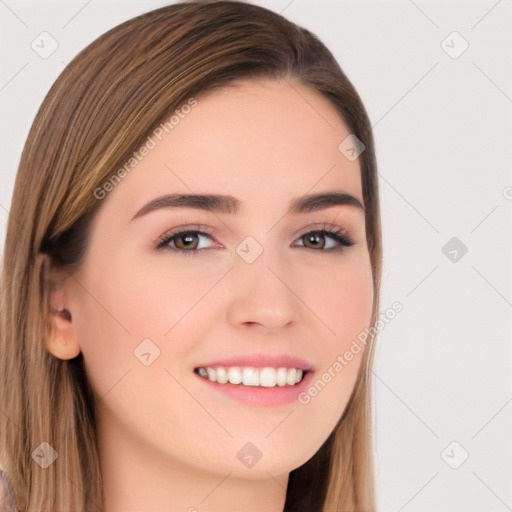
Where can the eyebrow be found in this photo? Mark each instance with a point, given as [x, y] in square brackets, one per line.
[228, 204]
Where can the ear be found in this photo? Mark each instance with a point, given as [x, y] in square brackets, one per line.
[61, 341]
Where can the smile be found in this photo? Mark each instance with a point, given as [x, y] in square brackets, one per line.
[267, 377]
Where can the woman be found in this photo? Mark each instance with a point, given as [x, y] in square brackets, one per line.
[137, 378]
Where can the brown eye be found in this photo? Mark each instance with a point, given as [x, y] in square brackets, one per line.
[315, 238]
[187, 240]
[325, 240]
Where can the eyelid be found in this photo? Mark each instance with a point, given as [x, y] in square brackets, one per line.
[336, 229]
[322, 226]
[185, 228]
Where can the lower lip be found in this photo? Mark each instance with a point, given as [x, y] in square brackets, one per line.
[261, 396]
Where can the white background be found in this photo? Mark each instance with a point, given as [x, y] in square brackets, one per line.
[443, 133]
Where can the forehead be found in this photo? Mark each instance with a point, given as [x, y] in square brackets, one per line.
[257, 140]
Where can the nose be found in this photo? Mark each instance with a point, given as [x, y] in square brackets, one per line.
[262, 296]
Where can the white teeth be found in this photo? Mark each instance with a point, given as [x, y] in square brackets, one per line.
[212, 375]
[281, 377]
[290, 376]
[251, 377]
[222, 376]
[267, 377]
[235, 375]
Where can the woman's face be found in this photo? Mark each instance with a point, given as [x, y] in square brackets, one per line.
[259, 287]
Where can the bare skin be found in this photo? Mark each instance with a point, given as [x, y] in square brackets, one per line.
[167, 440]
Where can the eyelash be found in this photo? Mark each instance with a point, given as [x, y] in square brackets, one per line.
[332, 231]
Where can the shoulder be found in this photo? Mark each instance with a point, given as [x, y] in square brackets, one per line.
[7, 503]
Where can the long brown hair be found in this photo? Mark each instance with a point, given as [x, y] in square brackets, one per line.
[99, 111]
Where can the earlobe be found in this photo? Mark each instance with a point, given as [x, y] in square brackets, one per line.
[61, 340]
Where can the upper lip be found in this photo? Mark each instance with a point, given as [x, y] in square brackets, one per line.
[260, 361]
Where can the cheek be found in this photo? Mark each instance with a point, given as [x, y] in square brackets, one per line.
[154, 294]
[143, 296]
[130, 301]
[341, 297]
[342, 302]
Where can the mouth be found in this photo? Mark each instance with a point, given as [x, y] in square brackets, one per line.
[249, 376]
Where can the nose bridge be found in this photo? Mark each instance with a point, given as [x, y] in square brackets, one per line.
[261, 292]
